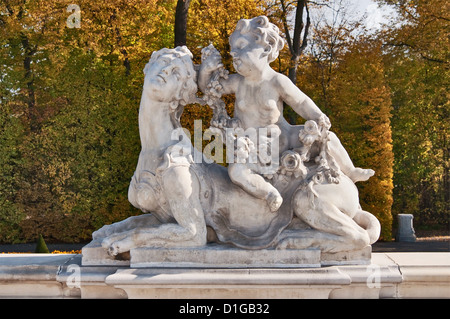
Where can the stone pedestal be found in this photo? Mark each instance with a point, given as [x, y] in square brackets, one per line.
[376, 280]
[389, 275]
[222, 256]
[189, 283]
[405, 230]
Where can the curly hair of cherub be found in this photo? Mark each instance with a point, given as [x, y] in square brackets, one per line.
[188, 92]
[266, 34]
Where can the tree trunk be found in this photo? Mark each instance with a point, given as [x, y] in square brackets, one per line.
[126, 62]
[297, 44]
[181, 22]
[30, 97]
[293, 68]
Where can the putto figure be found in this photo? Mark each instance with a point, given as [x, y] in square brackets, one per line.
[260, 93]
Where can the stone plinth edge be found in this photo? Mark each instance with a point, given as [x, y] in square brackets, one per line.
[217, 256]
[389, 275]
[222, 256]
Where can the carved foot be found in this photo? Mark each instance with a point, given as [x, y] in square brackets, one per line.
[274, 201]
[113, 250]
[360, 174]
[120, 246]
[114, 244]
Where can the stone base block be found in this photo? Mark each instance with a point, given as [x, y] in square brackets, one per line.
[219, 256]
[191, 283]
[222, 256]
[356, 257]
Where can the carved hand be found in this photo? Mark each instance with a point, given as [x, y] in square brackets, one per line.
[211, 59]
[324, 122]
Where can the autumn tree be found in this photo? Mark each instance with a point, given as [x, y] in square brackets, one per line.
[24, 40]
[76, 131]
[11, 136]
[417, 63]
[25, 46]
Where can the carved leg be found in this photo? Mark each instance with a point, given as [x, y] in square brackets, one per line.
[255, 185]
[166, 235]
[345, 163]
[182, 188]
[304, 239]
[144, 221]
[336, 231]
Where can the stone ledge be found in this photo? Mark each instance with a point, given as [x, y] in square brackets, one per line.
[223, 256]
[424, 275]
[32, 276]
[23, 267]
[228, 283]
[390, 275]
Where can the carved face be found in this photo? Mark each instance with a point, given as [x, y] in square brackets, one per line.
[248, 55]
[164, 77]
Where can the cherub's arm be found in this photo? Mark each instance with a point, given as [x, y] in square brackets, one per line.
[300, 102]
[211, 63]
[228, 85]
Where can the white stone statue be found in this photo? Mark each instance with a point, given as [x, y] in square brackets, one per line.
[291, 187]
[183, 196]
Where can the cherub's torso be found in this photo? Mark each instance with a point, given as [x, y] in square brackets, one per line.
[257, 105]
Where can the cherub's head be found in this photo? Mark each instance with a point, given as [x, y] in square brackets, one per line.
[170, 76]
[256, 32]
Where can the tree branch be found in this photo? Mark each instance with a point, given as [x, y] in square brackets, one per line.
[298, 26]
[431, 59]
[305, 34]
[403, 44]
[286, 28]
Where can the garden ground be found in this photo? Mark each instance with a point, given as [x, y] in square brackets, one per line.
[423, 244]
